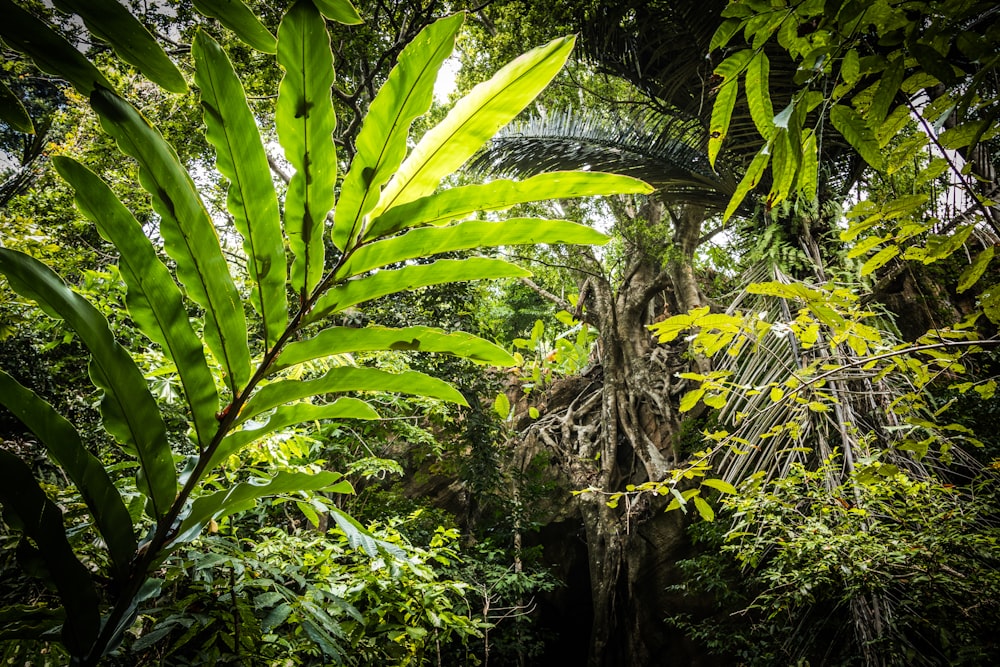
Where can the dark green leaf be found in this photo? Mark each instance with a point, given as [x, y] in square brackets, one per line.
[84, 470]
[49, 50]
[128, 409]
[13, 113]
[888, 87]
[188, 234]
[42, 521]
[305, 122]
[154, 300]
[237, 17]
[252, 201]
[111, 22]
[974, 271]
[857, 133]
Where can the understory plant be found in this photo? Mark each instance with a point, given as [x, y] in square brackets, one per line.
[799, 562]
[237, 334]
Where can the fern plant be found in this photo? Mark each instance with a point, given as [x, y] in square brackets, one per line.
[235, 383]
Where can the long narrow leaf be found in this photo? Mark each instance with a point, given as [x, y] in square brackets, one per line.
[188, 233]
[345, 379]
[305, 121]
[383, 283]
[154, 300]
[130, 39]
[241, 20]
[251, 199]
[340, 340]
[48, 49]
[13, 113]
[749, 181]
[86, 472]
[759, 94]
[472, 121]
[245, 495]
[42, 521]
[381, 143]
[290, 415]
[455, 203]
[428, 241]
[341, 11]
[128, 409]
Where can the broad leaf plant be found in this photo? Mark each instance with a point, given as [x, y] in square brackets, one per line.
[332, 242]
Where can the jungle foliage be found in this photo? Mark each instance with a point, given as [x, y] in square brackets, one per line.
[341, 247]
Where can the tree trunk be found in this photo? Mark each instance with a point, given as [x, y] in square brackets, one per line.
[619, 428]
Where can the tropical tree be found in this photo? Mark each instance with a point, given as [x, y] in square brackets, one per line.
[348, 245]
[764, 355]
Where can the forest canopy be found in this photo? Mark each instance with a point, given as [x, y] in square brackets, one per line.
[674, 328]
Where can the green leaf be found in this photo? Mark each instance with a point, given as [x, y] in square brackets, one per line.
[722, 114]
[188, 233]
[501, 405]
[338, 340]
[428, 241]
[472, 122]
[784, 166]
[759, 95]
[244, 496]
[989, 300]
[49, 50]
[857, 133]
[850, 68]
[381, 143]
[690, 399]
[129, 411]
[704, 509]
[720, 485]
[13, 113]
[25, 503]
[305, 121]
[443, 207]
[341, 11]
[888, 87]
[808, 180]
[110, 21]
[154, 300]
[412, 277]
[290, 415]
[345, 379]
[723, 33]
[241, 20]
[974, 271]
[88, 474]
[865, 245]
[749, 181]
[251, 199]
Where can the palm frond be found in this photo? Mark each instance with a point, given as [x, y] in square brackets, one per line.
[858, 402]
[666, 151]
